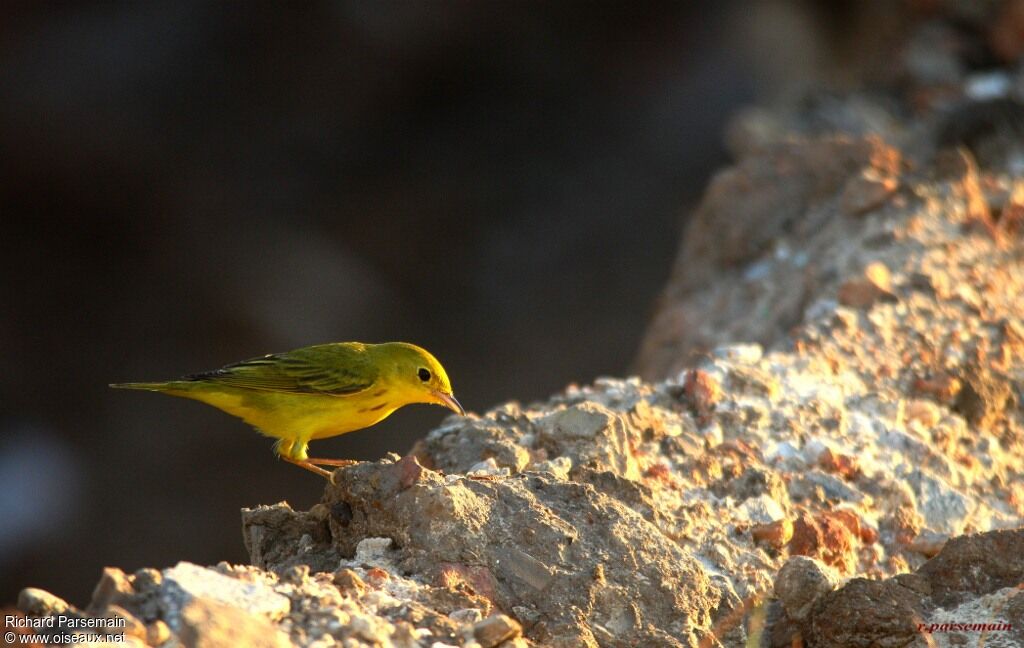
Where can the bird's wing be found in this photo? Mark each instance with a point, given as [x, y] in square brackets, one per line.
[336, 369]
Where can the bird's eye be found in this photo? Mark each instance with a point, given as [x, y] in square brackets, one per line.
[423, 374]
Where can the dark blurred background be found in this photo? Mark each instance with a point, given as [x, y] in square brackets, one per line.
[186, 184]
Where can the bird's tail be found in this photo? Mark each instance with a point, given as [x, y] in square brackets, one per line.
[149, 386]
[185, 388]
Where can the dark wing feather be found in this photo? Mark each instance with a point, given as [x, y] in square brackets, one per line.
[336, 369]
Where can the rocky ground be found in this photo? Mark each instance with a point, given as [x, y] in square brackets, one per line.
[828, 446]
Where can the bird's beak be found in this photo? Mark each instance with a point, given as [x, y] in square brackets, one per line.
[449, 401]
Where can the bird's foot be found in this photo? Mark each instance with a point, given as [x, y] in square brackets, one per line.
[338, 463]
[310, 467]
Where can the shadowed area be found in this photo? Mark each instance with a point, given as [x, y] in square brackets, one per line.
[188, 184]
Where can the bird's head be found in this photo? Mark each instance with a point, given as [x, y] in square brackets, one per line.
[416, 376]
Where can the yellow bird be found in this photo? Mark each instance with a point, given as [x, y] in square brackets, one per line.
[318, 392]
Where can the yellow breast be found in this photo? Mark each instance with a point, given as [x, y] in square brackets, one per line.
[302, 417]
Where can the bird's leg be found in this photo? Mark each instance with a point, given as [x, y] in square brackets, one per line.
[308, 466]
[333, 462]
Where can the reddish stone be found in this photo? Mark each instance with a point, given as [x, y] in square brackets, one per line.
[477, 578]
[845, 466]
[774, 534]
[703, 392]
[825, 537]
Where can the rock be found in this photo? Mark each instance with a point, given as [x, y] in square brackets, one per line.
[928, 543]
[904, 524]
[984, 398]
[488, 467]
[147, 579]
[800, 583]
[157, 633]
[265, 528]
[39, 603]
[348, 580]
[761, 509]
[825, 536]
[296, 574]
[924, 412]
[976, 565]
[125, 620]
[457, 448]
[753, 482]
[750, 380]
[467, 615]
[964, 583]
[874, 285]
[774, 534]
[495, 629]
[1011, 608]
[844, 465]
[865, 613]
[806, 487]
[186, 581]
[591, 436]
[582, 421]
[866, 191]
[944, 387]
[743, 354]
[372, 552]
[945, 509]
[775, 194]
[702, 392]
[114, 588]
[510, 537]
[206, 623]
[560, 467]
[934, 283]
